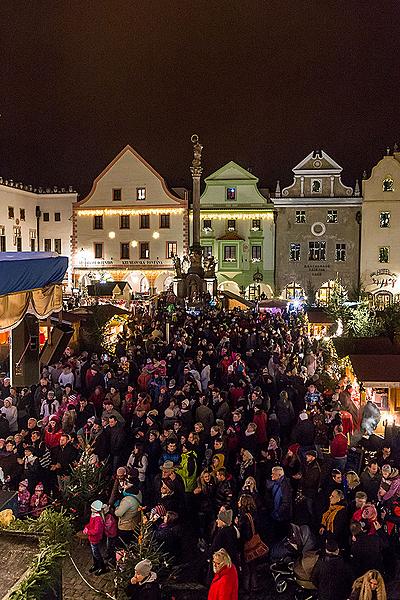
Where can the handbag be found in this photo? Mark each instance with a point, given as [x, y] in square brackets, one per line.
[255, 547]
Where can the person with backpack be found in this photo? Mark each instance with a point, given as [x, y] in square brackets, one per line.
[111, 532]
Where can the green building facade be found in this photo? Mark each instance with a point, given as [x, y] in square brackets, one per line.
[237, 227]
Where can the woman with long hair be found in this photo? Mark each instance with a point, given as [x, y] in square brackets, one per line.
[224, 585]
[205, 496]
[369, 587]
[247, 522]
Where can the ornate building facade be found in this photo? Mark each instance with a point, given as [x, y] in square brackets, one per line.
[317, 231]
[36, 219]
[237, 228]
[380, 239]
[129, 227]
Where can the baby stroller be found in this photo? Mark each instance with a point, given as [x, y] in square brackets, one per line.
[291, 560]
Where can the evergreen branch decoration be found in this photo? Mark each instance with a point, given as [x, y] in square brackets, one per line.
[54, 531]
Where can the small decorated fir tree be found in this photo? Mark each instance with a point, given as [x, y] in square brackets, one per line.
[144, 545]
[88, 482]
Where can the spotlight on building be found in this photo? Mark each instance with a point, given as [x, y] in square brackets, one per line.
[111, 235]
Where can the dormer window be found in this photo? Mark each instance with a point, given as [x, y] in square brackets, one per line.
[231, 193]
[388, 184]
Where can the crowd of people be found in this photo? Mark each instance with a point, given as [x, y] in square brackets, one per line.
[230, 436]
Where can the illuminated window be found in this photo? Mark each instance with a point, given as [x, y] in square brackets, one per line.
[300, 216]
[47, 245]
[172, 249]
[124, 222]
[144, 222]
[384, 219]
[57, 246]
[231, 224]
[98, 222]
[383, 255]
[46, 217]
[98, 250]
[256, 225]
[388, 184]
[57, 217]
[331, 217]
[294, 253]
[256, 253]
[207, 251]
[340, 253]
[141, 193]
[144, 250]
[293, 291]
[231, 193]
[22, 214]
[229, 253]
[316, 250]
[125, 250]
[117, 194]
[165, 222]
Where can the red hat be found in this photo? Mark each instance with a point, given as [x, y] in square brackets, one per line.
[294, 448]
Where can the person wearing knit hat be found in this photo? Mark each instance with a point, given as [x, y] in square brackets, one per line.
[144, 583]
[225, 517]
[225, 536]
[95, 532]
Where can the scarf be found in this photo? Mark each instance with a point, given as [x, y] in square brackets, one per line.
[328, 517]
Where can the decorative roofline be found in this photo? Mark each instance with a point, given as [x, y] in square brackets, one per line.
[37, 190]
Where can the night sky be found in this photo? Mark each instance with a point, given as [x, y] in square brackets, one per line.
[262, 83]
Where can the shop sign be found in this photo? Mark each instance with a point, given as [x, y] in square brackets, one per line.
[384, 278]
[315, 270]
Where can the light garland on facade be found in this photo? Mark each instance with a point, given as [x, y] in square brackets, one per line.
[111, 212]
[223, 215]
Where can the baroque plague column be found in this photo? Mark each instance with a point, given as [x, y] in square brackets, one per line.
[195, 277]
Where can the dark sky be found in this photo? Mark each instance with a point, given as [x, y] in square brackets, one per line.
[261, 82]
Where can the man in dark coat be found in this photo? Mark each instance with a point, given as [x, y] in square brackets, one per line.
[310, 480]
[281, 492]
[370, 481]
[304, 432]
[117, 443]
[367, 550]
[331, 575]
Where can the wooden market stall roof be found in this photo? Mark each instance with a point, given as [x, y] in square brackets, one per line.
[376, 369]
[317, 315]
[235, 300]
[382, 345]
[107, 288]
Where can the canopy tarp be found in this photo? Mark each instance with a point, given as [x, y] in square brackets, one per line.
[30, 281]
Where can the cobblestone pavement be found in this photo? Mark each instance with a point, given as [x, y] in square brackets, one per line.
[74, 588]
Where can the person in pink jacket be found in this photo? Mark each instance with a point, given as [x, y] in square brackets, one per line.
[95, 532]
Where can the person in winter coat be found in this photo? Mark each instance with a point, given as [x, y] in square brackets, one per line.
[144, 584]
[224, 585]
[39, 501]
[334, 520]
[95, 531]
[117, 443]
[285, 413]
[304, 432]
[23, 498]
[331, 575]
[11, 414]
[281, 493]
[53, 432]
[367, 550]
[111, 531]
[188, 467]
[205, 497]
[247, 523]
[127, 510]
[225, 536]
[204, 414]
[310, 480]
[370, 481]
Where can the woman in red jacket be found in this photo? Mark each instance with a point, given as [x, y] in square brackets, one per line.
[95, 533]
[224, 585]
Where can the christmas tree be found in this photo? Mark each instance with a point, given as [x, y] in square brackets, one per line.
[88, 482]
[144, 545]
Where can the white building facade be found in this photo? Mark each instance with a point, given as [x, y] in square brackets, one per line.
[129, 227]
[380, 232]
[34, 220]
